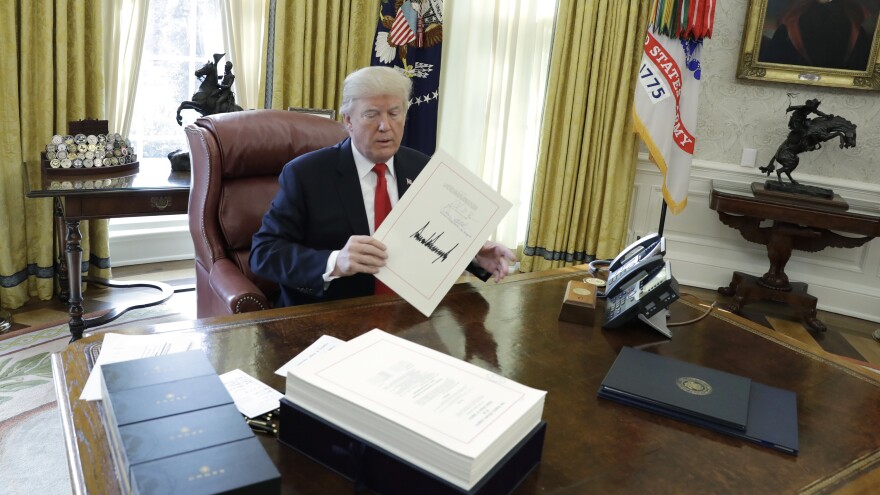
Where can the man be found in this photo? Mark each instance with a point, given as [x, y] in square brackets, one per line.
[315, 239]
[801, 113]
[799, 123]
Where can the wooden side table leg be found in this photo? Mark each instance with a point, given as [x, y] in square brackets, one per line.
[74, 273]
[733, 289]
[732, 286]
[812, 322]
[809, 315]
[778, 252]
[60, 238]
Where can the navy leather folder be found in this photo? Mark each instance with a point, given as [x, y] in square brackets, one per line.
[771, 412]
[708, 395]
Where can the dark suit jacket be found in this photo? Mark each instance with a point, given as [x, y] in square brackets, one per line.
[319, 206]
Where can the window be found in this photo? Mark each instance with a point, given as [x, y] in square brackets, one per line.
[181, 36]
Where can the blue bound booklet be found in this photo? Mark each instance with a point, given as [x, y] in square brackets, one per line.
[710, 398]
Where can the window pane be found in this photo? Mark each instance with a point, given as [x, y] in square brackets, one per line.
[167, 29]
[181, 36]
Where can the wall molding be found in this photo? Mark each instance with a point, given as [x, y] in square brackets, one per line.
[140, 240]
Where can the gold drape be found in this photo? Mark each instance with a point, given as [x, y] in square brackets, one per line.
[318, 43]
[587, 158]
[46, 79]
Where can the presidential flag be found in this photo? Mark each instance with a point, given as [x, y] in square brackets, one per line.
[408, 38]
[667, 96]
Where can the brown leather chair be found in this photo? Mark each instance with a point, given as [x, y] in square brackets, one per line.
[236, 159]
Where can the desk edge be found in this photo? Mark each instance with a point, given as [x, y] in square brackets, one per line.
[74, 464]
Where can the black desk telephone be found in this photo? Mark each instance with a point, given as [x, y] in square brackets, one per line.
[634, 262]
[644, 300]
[640, 285]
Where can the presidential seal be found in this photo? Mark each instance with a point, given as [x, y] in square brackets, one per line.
[694, 386]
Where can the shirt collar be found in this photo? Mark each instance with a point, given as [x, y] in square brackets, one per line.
[365, 166]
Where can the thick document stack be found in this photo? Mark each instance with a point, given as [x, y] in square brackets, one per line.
[173, 428]
[413, 412]
[720, 401]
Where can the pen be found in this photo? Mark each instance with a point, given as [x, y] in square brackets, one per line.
[262, 427]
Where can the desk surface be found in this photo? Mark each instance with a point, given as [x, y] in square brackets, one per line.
[592, 445]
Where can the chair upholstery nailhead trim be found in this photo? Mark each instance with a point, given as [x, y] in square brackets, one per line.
[245, 299]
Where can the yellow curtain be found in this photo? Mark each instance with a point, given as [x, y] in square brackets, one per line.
[46, 80]
[587, 158]
[316, 44]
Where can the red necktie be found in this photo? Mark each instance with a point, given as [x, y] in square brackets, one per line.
[381, 208]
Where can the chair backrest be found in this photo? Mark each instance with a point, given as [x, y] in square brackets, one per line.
[236, 159]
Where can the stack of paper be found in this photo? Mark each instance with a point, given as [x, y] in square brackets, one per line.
[450, 418]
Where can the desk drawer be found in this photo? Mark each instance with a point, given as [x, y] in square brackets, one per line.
[130, 204]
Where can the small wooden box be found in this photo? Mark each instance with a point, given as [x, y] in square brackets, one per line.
[579, 303]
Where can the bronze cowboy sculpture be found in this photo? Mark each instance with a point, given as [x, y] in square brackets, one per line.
[808, 134]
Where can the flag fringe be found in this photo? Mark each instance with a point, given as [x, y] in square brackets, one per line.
[639, 127]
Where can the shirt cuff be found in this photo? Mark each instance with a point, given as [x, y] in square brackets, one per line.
[331, 264]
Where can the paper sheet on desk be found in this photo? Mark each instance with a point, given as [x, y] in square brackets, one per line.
[323, 344]
[118, 347]
[251, 396]
[436, 229]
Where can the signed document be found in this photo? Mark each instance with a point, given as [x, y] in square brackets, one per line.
[436, 229]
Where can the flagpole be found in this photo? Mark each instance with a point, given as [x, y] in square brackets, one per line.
[662, 218]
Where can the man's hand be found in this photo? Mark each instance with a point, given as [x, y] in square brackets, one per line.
[361, 254]
[495, 258]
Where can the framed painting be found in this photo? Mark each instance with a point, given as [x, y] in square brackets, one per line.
[834, 43]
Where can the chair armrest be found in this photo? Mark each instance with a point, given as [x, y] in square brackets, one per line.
[237, 291]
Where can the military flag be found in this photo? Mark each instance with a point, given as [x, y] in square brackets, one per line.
[667, 96]
[408, 38]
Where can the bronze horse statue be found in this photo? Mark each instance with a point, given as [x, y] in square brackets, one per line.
[807, 135]
[214, 94]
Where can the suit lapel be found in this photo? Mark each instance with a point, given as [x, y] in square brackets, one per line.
[349, 188]
[405, 174]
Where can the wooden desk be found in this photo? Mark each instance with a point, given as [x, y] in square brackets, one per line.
[151, 190]
[802, 226]
[592, 445]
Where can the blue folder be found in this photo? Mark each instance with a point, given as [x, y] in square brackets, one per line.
[771, 413]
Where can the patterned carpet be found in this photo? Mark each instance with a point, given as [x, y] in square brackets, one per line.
[30, 424]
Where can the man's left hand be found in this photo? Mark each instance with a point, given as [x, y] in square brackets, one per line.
[495, 259]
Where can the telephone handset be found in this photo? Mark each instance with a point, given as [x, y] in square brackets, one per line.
[643, 299]
[634, 262]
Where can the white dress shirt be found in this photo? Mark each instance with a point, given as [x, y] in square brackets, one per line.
[368, 189]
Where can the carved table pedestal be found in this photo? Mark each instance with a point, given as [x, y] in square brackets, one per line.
[804, 226]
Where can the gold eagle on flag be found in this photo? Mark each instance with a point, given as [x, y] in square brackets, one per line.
[415, 24]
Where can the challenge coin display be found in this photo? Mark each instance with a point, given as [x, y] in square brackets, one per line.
[88, 148]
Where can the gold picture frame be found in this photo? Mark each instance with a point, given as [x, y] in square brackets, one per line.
[769, 53]
[321, 112]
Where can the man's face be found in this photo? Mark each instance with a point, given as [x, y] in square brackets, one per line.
[376, 126]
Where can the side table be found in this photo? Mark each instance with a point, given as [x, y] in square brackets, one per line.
[806, 226]
[153, 189]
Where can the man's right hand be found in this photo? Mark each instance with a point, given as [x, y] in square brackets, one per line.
[361, 254]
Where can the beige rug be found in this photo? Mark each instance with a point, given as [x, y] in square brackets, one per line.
[32, 455]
